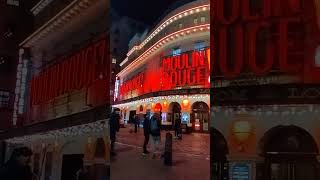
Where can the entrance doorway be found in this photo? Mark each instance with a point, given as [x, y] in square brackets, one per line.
[70, 165]
[174, 113]
[290, 154]
[218, 152]
[200, 116]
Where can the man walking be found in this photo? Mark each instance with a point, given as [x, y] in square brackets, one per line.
[155, 124]
[146, 131]
[114, 128]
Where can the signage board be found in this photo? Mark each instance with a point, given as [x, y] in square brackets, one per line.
[260, 38]
[240, 171]
[188, 70]
[77, 71]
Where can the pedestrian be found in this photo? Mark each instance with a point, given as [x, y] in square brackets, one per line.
[146, 132]
[136, 122]
[114, 128]
[176, 128]
[179, 130]
[155, 133]
[18, 168]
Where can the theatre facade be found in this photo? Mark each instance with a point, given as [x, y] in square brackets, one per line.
[62, 100]
[265, 115]
[168, 70]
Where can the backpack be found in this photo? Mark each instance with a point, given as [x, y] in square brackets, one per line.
[153, 125]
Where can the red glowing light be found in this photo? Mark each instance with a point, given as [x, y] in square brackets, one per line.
[283, 52]
[185, 70]
[75, 72]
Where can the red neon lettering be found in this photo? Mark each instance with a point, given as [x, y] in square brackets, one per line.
[238, 46]
[220, 11]
[283, 48]
[252, 36]
[247, 11]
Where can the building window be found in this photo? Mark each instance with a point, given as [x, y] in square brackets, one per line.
[200, 45]
[195, 21]
[13, 2]
[203, 19]
[180, 25]
[176, 51]
[4, 99]
[114, 61]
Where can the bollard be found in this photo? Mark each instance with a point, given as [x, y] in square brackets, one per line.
[168, 150]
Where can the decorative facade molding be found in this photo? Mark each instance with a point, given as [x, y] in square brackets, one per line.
[73, 10]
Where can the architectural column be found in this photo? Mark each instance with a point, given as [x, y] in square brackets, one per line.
[101, 163]
[88, 157]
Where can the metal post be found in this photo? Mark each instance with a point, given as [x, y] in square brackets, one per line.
[168, 150]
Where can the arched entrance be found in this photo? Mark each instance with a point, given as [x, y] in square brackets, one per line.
[174, 113]
[290, 153]
[158, 107]
[200, 116]
[218, 152]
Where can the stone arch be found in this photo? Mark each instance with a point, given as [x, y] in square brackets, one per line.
[288, 139]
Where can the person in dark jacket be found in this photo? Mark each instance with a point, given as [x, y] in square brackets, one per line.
[18, 168]
[136, 122]
[178, 130]
[114, 128]
[155, 133]
[146, 131]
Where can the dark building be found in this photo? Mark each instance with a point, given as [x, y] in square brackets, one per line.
[61, 92]
[265, 87]
[15, 23]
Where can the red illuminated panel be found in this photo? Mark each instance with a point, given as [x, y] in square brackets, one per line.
[75, 72]
[185, 70]
[259, 40]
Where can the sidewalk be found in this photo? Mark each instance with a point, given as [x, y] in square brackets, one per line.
[195, 143]
[190, 159]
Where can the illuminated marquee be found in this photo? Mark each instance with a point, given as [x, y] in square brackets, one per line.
[186, 70]
[276, 30]
[74, 72]
[133, 84]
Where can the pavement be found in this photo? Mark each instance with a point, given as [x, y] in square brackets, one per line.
[190, 158]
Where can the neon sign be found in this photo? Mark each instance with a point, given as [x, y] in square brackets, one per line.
[133, 84]
[275, 30]
[179, 71]
[187, 69]
[74, 72]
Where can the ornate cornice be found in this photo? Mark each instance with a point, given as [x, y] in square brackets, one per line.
[71, 11]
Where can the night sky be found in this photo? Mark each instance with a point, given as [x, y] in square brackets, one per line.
[147, 11]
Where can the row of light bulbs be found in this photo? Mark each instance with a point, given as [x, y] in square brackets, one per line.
[81, 130]
[157, 99]
[164, 40]
[169, 21]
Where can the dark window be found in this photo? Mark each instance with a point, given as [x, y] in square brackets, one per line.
[4, 99]
[176, 51]
[200, 45]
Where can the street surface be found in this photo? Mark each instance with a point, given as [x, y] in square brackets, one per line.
[190, 158]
